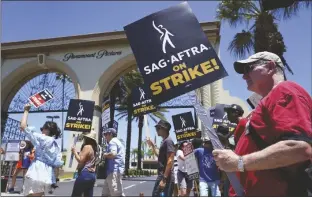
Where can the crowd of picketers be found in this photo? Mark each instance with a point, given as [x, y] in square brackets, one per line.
[271, 154]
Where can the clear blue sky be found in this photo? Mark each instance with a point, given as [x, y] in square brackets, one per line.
[36, 20]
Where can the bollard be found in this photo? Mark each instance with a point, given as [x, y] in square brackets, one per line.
[141, 194]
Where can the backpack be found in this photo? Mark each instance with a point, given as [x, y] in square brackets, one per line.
[305, 175]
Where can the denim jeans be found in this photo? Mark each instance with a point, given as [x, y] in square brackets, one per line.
[84, 184]
[168, 190]
[205, 187]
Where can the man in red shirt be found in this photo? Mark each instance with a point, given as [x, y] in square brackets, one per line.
[273, 152]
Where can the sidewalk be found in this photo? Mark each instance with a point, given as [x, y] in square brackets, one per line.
[11, 195]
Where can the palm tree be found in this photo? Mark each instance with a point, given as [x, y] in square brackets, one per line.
[129, 81]
[263, 35]
[134, 153]
[115, 96]
[140, 119]
[150, 153]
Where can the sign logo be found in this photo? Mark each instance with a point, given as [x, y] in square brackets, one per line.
[184, 126]
[40, 98]
[165, 36]
[141, 101]
[183, 122]
[80, 109]
[79, 115]
[142, 97]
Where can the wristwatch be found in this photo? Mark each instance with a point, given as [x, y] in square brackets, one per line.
[240, 164]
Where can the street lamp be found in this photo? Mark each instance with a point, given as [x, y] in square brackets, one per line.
[53, 117]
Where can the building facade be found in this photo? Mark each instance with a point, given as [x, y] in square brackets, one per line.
[94, 62]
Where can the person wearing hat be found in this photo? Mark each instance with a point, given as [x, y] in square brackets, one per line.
[272, 154]
[235, 115]
[166, 153]
[115, 165]
[48, 155]
[86, 166]
[209, 177]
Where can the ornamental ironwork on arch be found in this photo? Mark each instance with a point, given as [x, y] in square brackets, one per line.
[59, 84]
[183, 101]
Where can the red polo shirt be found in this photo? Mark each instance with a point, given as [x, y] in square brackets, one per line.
[286, 109]
[240, 128]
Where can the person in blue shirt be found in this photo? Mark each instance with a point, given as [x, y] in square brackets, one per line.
[115, 159]
[40, 174]
[209, 176]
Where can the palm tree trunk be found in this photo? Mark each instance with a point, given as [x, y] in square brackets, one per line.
[140, 125]
[112, 101]
[128, 136]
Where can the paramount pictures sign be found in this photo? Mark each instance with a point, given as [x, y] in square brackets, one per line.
[97, 55]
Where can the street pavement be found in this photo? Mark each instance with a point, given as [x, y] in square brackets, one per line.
[132, 187]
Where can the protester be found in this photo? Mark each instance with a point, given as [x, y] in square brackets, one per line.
[165, 155]
[25, 155]
[270, 157]
[235, 115]
[115, 159]
[197, 143]
[40, 174]
[184, 183]
[209, 178]
[86, 166]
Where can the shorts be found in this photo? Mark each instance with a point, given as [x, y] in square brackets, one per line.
[184, 181]
[31, 187]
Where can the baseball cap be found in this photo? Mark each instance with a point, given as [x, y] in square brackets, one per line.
[206, 139]
[164, 124]
[110, 130]
[234, 107]
[240, 65]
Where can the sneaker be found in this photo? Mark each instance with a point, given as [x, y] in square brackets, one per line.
[11, 190]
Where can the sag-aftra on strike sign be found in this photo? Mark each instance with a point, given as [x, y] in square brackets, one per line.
[173, 53]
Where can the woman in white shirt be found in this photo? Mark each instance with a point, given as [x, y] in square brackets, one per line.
[184, 183]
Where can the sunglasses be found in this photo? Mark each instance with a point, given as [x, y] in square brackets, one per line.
[158, 128]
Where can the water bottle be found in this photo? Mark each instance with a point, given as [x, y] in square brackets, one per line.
[162, 194]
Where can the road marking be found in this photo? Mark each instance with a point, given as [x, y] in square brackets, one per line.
[142, 182]
[129, 186]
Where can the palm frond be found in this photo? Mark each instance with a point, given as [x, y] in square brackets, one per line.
[153, 118]
[291, 11]
[236, 12]
[122, 116]
[242, 44]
